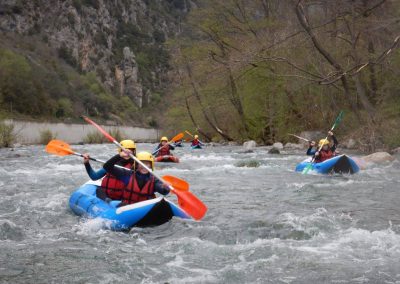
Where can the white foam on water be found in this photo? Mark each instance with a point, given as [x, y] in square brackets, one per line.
[93, 226]
[216, 157]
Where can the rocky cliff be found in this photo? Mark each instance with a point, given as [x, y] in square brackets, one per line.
[122, 41]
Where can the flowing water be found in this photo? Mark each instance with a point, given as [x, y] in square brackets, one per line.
[265, 224]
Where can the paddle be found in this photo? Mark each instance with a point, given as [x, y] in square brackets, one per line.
[193, 136]
[179, 136]
[61, 148]
[299, 137]
[187, 200]
[309, 166]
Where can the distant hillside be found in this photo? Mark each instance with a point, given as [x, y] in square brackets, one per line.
[59, 59]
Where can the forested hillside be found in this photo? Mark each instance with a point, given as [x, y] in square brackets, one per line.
[262, 69]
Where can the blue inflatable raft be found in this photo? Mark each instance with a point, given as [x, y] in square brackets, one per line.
[196, 147]
[154, 212]
[340, 164]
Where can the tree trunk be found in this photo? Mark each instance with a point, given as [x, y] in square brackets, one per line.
[208, 138]
[197, 96]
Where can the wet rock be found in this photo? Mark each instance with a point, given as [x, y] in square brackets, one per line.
[17, 145]
[278, 145]
[294, 146]
[248, 164]
[246, 151]
[395, 151]
[248, 145]
[378, 157]
[233, 143]
[274, 150]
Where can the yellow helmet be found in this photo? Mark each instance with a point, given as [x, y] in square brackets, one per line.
[164, 138]
[196, 136]
[323, 142]
[146, 156]
[127, 144]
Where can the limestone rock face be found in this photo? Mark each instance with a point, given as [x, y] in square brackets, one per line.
[101, 36]
[127, 77]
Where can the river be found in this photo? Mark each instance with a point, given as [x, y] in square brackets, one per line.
[265, 224]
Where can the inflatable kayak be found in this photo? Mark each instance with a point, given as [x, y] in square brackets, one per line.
[167, 159]
[154, 212]
[196, 147]
[340, 164]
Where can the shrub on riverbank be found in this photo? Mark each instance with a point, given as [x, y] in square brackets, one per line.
[46, 136]
[7, 135]
[98, 138]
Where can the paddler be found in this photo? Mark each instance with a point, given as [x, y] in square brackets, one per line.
[163, 148]
[111, 187]
[140, 185]
[327, 150]
[196, 141]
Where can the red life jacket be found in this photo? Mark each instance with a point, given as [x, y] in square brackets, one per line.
[164, 151]
[195, 142]
[324, 155]
[133, 193]
[113, 186]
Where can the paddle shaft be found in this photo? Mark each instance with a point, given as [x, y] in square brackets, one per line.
[299, 137]
[193, 136]
[99, 161]
[156, 151]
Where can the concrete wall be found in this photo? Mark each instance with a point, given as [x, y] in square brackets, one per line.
[29, 132]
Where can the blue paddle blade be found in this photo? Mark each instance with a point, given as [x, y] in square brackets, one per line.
[307, 169]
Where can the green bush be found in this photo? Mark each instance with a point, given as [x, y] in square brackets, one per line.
[117, 134]
[95, 138]
[7, 135]
[46, 136]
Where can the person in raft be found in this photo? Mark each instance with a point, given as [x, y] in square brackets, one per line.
[140, 185]
[178, 143]
[163, 149]
[327, 151]
[196, 141]
[111, 187]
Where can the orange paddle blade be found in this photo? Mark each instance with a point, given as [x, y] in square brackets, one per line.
[177, 183]
[179, 136]
[59, 148]
[191, 204]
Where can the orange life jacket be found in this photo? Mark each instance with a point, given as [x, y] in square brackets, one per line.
[133, 193]
[164, 151]
[113, 186]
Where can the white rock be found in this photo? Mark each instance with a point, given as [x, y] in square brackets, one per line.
[278, 145]
[378, 157]
[248, 145]
[294, 146]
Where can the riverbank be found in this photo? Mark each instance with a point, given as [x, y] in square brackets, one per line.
[27, 132]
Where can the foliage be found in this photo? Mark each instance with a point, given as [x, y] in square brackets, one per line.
[253, 71]
[46, 136]
[95, 138]
[7, 135]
